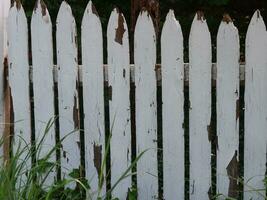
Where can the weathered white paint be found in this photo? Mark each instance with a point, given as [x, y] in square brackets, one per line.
[173, 108]
[67, 89]
[227, 104]
[255, 108]
[43, 84]
[200, 108]
[93, 97]
[119, 102]
[146, 106]
[19, 80]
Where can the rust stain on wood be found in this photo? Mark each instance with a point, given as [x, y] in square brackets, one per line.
[8, 114]
[200, 15]
[18, 4]
[120, 30]
[98, 158]
[227, 18]
[232, 172]
[43, 7]
[152, 6]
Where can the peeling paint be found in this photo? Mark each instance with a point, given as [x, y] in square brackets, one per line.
[232, 172]
[43, 7]
[227, 18]
[18, 4]
[120, 30]
[98, 158]
[200, 15]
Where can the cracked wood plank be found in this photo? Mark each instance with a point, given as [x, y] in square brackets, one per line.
[119, 104]
[255, 108]
[43, 83]
[67, 90]
[227, 106]
[93, 97]
[173, 108]
[146, 106]
[200, 108]
[19, 81]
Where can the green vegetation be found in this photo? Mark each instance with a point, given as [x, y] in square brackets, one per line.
[18, 181]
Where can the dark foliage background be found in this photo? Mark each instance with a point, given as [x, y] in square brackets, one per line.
[240, 11]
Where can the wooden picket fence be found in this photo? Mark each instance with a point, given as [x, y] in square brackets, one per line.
[173, 74]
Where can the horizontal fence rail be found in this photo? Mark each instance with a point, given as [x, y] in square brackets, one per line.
[199, 126]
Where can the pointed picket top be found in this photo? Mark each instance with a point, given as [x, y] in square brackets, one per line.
[64, 12]
[90, 9]
[40, 10]
[171, 26]
[256, 36]
[145, 30]
[145, 22]
[199, 25]
[172, 108]
[227, 106]
[91, 18]
[117, 27]
[226, 23]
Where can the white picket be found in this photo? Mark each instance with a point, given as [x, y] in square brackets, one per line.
[93, 98]
[43, 84]
[173, 108]
[255, 108]
[19, 81]
[146, 106]
[67, 90]
[227, 108]
[119, 102]
[200, 108]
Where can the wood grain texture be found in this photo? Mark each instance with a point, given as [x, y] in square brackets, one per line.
[43, 83]
[173, 108]
[227, 108]
[146, 106]
[255, 108]
[93, 98]
[67, 90]
[200, 108]
[119, 101]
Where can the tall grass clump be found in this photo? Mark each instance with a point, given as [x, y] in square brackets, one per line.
[27, 172]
